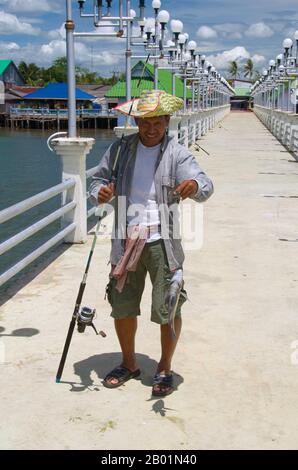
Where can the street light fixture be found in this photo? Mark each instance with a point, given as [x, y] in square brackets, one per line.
[148, 31]
[279, 59]
[177, 28]
[287, 44]
[186, 57]
[181, 42]
[156, 4]
[191, 46]
[163, 17]
[181, 39]
[296, 39]
[142, 26]
[170, 46]
[187, 37]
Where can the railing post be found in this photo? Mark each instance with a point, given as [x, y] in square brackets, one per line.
[199, 126]
[173, 127]
[73, 152]
[185, 128]
[192, 128]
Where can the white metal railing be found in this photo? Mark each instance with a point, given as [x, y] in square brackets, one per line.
[189, 128]
[283, 125]
[35, 254]
[181, 136]
[22, 207]
[19, 112]
[33, 201]
[34, 228]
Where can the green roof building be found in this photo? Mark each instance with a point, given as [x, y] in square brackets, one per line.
[242, 100]
[118, 92]
[9, 74]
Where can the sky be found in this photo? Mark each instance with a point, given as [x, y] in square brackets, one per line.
[225, 30]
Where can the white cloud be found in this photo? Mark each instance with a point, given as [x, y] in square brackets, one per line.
[259, 30]
[31, 20]
[45, 54]
[221, 61]
[57, 48]
[21, 6]
[258, 59]
[205, 32]
[229, 30]
[9, 46]
[10, 24]
[54, 49]
[58, 33]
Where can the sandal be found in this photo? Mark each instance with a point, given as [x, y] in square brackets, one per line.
[165, 384]
[121, 374]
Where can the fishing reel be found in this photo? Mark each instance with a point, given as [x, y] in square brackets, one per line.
[85, 318]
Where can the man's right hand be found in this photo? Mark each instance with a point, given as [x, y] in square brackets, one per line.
[106, 193]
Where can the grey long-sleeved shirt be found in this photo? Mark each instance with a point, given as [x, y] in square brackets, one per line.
[174, 165]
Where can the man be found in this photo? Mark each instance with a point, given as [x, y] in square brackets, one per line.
[154, 173]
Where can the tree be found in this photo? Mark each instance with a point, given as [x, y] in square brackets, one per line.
[234, 69]
[30, 72]
[249, 69]
[57, 73]
[257, 76]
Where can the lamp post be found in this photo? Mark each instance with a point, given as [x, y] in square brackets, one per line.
[128, 55]
[181, 43]
[156, 4]
[191, 46]
[71, 80]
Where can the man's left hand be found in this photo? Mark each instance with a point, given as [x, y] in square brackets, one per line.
[187, 188]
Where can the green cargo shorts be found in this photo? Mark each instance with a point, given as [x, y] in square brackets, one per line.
[127, 303]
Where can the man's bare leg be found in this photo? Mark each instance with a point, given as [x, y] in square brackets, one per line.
[168, 345]
[126, 331]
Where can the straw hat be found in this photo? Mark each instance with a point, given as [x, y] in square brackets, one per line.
[150, 104]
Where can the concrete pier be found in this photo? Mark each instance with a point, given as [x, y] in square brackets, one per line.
[237, 360]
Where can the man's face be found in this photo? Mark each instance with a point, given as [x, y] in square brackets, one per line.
[152, 130]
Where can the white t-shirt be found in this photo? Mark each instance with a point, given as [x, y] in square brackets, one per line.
[143, 194]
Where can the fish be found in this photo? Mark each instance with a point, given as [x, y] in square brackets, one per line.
[172, 298]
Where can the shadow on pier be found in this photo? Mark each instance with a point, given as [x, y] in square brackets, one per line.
[102, 364]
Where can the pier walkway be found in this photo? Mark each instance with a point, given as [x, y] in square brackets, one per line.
[238, 371]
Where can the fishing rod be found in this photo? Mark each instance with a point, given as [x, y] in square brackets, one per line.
[198, 148]
[84, 316]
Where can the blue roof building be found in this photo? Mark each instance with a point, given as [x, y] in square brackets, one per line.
[58, 92]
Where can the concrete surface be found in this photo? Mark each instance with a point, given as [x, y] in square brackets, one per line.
[238, 371]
